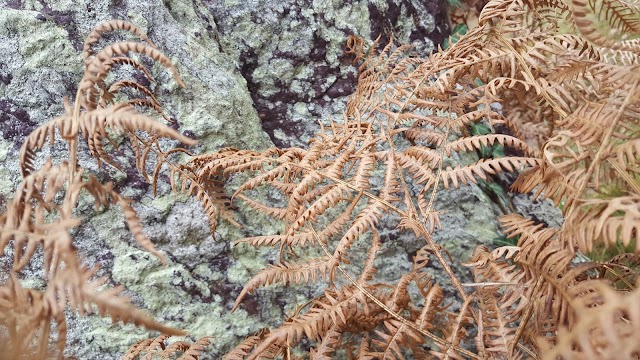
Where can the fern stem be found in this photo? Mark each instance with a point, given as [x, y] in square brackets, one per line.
[390, 311]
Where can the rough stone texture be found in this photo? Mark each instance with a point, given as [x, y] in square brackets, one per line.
[40, 62]
[284, 56]
[291, 51]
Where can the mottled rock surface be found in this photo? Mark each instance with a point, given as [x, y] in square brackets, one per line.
[291, 51]
[259, 72]
[40, 62]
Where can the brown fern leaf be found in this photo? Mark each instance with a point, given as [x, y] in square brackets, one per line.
[397, 335]
[375, 71]
[618, 16]
[355, 46]
[21, 312]
[127, 119]
[334, 309]
[609, 221]
[206, 188]
[125, 60]
[476, 142]
[365, 221]
[515, 71]
[24, 220]
[554, 282]
[370, 215]
[309, 180]
[95, 67]
[393, 339]
[272, 240]
[500, 300]
[244, 348]
[550, 185]
[420, 172]
[570, 70]
[628, 155]
[104, 95]
[108, 301]
[147, 345]
[455, 332]
[482, 168]
[38, 138]
[328, 345]
[604, 330]
[274, 212]
[418, 134]
[158, 347]
[328, 199]
[107, 27]
[105, 195]
[622, 270]
[488, 267]
[498, 325]
[619, 57]
[121, 85]
[291, 273]
[368, 268]
[194, 351]
[41, 214]
[92, 82]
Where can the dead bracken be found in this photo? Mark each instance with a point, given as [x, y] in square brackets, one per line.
[568, 115]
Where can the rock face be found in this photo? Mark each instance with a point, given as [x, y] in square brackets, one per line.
[258, 72]
[40, 62]
[291, 52]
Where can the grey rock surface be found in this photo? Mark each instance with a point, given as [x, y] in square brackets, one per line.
[258, 72]
[291, 51]
[40, 62]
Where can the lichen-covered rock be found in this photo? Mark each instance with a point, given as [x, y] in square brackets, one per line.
[291, 51]
[286, 57]
[40, 63]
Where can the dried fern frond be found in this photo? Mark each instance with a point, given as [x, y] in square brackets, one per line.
[161, 348]
[607, 221]
[605, 329]
[108, 27]
[574, 97]
[525, 76]
[291, 273]
[563, 106]
[42, 213]
[21, 312]
[244, 348]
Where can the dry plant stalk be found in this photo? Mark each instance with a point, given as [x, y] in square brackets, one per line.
[567, 107]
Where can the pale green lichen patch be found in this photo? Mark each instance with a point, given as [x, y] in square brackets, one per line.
[182, 298]
[240, 272]
[219, 114]
[207, 273]
[164, 203]
[44, 37]
[32, 5]
[168, 287]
